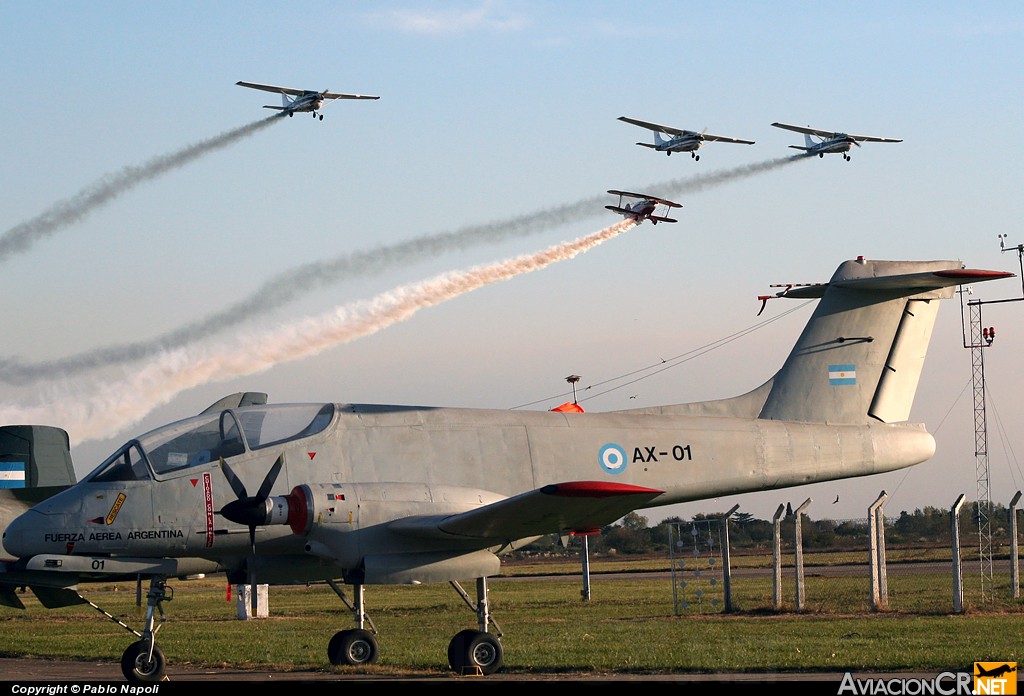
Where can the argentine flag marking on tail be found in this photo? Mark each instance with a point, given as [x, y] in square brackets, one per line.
[12, 474]
[839, 375]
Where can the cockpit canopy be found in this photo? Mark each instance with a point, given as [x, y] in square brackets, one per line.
[208, 437]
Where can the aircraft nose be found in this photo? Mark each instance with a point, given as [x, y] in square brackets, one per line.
[15, 534]
[27, 534]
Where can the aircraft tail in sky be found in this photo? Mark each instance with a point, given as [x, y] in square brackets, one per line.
[861, 353]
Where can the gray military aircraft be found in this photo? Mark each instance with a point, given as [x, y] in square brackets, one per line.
[377, 494]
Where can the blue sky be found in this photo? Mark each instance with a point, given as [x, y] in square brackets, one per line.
[490, 111]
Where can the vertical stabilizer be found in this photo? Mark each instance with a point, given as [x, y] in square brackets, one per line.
[861, 354]
[35, 456]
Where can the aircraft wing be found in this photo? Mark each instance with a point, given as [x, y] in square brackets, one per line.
[273, 88]
[576, 506]
[647, 196]
[805, 129]
[338, 95]
[723, 139]
[656, 127]
[875, 139]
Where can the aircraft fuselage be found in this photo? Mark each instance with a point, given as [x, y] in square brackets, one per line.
[388, 463]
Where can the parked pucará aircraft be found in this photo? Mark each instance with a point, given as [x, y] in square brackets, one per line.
[831, 142]
[645, 208]
[680, 140]
[376, 494]
[293, 100]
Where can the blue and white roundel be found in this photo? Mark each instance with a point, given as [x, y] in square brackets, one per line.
[612, 458]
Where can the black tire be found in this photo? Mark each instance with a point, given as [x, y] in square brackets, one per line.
[137, 668]
[472, 650]
[354, 647]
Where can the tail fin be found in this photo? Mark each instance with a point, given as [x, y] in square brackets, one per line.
[658, 140]
[809, 141]
[860, 356]
[35, 456]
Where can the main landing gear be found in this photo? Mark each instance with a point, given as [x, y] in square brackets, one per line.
[315, 115]
[143, 662]
[469, 652]
[695, 156]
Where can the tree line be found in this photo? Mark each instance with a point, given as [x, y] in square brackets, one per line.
[924, 527]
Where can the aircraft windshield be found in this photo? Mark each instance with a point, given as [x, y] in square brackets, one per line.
[210, 436]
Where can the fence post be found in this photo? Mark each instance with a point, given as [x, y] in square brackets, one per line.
[777, 556]
[799, 550]
[1014, 555]
[876, 542]
[958, 578]
[726, 564]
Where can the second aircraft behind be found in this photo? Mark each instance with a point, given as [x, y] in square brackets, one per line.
[831, 142]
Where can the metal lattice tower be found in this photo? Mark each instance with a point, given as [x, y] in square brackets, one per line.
[981, 338]
[979, 341]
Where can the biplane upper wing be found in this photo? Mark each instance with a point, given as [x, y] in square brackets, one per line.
[646, 196]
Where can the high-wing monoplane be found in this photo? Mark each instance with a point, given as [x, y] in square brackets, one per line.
[304, 100]
[645, 208]
[383, 494]
[680, 140]
[830, 141]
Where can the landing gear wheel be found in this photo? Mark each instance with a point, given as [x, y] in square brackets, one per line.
[471, 650]
[353, 647]
[137, 666]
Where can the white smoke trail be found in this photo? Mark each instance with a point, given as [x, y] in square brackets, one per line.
[114, 406]
[22, 236]
[291, 284]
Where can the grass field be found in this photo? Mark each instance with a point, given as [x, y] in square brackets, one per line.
[628, 625]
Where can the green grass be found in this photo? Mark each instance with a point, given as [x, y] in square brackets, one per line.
[627, 626]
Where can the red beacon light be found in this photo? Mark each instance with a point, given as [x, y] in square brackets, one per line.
[989, 335]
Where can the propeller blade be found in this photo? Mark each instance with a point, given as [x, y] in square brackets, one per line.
[271, 478]
[236, 483]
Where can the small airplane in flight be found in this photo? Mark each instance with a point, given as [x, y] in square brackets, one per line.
[391, 494]
[681, 140]
[645, 207]
[304, 100]
[831, 142]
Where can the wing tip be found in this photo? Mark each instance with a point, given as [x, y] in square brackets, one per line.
[596, 489]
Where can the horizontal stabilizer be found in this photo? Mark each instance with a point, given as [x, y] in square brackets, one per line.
[578, 506]
[905, 284]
